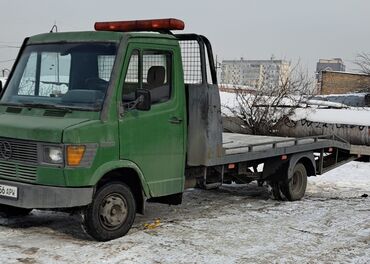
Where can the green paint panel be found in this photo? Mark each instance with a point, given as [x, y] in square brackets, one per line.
[75, 37]
[97, 36]
[83, 176]
[36, 128]
[148, 138]
[47, 175]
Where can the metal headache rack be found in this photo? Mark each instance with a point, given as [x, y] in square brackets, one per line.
[197, 59]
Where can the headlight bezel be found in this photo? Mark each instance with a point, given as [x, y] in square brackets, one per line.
[45, 154]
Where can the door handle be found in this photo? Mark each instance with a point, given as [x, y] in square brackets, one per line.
[175, 120]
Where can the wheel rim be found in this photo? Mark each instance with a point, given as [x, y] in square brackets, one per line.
[296, 182]
[113, 211]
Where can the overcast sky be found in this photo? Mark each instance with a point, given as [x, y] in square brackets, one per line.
[253, 29]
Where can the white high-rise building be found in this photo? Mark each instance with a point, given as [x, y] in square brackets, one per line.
[255, 73]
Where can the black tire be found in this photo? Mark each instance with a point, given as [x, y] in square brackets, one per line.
[111, 213]
[8, 211]
[295, 188]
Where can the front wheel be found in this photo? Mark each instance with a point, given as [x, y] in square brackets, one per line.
[111, 213]
[295, 188]
[8, 211]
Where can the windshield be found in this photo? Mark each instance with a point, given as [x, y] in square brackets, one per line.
[62, 75]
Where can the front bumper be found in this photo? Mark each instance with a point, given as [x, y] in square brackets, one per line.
[47, 197]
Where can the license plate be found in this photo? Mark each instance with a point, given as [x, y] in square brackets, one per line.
[8, 191]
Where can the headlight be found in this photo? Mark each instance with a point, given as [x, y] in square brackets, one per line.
[53, 154]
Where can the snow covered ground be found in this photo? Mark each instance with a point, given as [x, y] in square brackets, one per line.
[235, 224]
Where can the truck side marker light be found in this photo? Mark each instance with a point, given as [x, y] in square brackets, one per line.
[141, 25]
[75, 155]
[231, 166]
[330, 150]
[284, 157]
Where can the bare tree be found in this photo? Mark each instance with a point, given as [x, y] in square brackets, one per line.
[273, 99]
[363, 61]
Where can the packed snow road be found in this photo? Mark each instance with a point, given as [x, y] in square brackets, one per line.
[235, 224]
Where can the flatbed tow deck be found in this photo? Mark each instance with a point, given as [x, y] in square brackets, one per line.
[242, 154]
[268, 146]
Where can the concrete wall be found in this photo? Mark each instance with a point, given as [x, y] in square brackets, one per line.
[343, 82]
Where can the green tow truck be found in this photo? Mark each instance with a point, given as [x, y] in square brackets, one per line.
[100, 122]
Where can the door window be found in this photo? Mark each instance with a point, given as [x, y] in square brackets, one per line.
[152, 71]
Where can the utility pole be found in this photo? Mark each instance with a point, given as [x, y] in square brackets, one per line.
[217, 67]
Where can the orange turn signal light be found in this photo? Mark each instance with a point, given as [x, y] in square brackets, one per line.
[141, 25]
[75, 154]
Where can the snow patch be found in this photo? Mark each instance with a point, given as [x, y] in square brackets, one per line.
[353, 175]
[234, 224]
[354, 116]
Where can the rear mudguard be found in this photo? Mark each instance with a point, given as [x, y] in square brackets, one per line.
[307, 159]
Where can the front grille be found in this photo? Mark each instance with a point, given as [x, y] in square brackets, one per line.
[18, 150]
[19, 172]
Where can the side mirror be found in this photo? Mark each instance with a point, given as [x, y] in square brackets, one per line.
[143, 99]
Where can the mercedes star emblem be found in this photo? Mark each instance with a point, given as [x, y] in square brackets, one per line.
[5, 150]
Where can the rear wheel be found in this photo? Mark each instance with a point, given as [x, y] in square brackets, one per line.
[112, 212]
[8, 211]
[295, 188]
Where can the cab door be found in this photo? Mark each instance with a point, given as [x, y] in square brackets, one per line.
[154, 139]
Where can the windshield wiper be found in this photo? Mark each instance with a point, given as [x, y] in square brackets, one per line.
[46, 106]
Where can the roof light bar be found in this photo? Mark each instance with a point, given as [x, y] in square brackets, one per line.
[141, 25]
